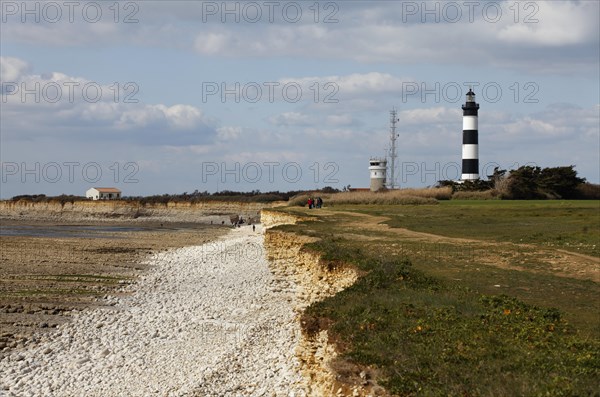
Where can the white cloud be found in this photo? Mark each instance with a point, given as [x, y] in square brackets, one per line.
[553, 24]
[229, 133]
[182, 116]
[12, 69]
[335, 89]
[288, 119]
[139, 116]
[340, 119]
[77, 106]
[214, 43]
[557, 123]
[377, 31]
[436, 115]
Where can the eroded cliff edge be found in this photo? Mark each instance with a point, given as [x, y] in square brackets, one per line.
[129, 210]
[316, 280]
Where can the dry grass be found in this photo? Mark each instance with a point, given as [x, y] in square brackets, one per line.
[481, 195]
[502, 187]
[588, 191]
[403, 196]
[301, 200]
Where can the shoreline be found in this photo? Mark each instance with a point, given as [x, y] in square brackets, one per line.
[130, 211]
[203, 319]
[44, 279]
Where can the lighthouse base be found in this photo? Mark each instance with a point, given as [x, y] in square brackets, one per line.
[469, 177]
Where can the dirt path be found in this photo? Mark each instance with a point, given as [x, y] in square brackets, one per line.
[556, 261]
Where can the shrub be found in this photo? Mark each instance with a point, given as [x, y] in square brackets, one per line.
[42, 198]
[529, 182]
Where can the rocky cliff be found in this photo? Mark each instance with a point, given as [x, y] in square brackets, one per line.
[316, 280]
[117, 209]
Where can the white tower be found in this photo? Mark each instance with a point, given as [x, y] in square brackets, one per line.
[378, 170]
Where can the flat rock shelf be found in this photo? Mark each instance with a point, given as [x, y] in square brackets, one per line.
[209, 320]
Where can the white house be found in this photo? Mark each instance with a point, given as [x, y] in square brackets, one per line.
[103, 193]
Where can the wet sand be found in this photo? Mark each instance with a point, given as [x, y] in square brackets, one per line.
[67, 267]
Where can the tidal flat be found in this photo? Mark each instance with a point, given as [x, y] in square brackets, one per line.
[49, 269]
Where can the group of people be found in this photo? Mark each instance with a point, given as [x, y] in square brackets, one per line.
[315, 203]
[240, 221]
[236, 221]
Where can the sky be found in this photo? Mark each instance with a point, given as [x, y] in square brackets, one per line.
[159, 97]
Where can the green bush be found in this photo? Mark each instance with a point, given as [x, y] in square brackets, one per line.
[529, 182]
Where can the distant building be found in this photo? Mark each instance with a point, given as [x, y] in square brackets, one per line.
[103, 193]
[378, 170]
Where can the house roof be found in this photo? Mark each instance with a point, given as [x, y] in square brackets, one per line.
[107, 189]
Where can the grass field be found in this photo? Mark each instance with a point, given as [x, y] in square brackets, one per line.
[473, 298]
[570, 225]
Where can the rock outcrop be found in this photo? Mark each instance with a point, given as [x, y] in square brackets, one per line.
[129, 210]
[316, 280]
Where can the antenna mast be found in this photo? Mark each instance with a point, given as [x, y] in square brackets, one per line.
[393, 155]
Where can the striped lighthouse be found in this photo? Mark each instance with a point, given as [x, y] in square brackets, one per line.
[470, 147]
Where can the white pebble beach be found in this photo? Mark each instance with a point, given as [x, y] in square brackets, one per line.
[209, 320]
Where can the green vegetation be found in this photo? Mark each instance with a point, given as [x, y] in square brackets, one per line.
[79, 278]
[432, 339]
[254, 196]
[569, 225]
[70, 292]
[528, 183]
[524, 183]
[443, 316]
[42, 198]
[64, 285]
[534, 182]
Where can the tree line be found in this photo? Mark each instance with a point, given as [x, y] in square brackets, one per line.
[254, 196]
[531, 183]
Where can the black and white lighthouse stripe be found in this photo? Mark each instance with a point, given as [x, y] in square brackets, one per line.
[470, 147]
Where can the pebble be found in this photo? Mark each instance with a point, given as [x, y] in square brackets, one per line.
[208, 320]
